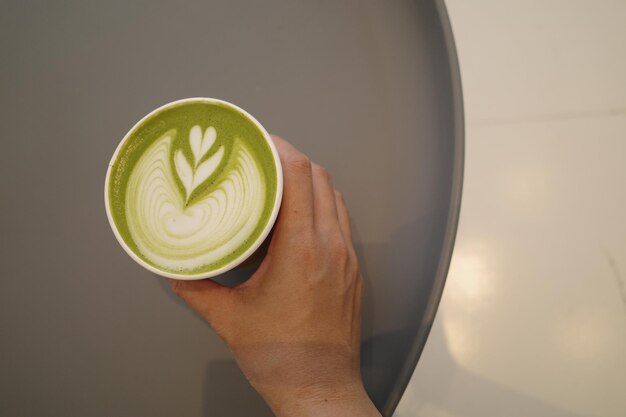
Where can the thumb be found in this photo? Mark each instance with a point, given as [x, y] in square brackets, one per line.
[205, 296]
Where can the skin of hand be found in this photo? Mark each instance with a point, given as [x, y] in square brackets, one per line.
[294, 326]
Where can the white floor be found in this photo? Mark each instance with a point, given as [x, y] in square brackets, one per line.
[533, 317]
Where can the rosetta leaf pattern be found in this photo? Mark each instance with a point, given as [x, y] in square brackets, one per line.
[192, 175]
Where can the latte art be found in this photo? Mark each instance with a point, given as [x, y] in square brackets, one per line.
[194, 188]
[172, 232]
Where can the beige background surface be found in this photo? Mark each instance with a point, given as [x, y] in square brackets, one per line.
[533, 316]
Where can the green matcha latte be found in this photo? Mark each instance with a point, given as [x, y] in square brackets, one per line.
[194, 188]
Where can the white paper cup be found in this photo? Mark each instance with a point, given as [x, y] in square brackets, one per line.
[253, 252]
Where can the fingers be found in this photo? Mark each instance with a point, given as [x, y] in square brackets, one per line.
[344, 218]
[309, 200]
[297, 210]
[325, 207]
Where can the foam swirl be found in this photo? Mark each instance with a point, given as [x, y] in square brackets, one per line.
[179, 235]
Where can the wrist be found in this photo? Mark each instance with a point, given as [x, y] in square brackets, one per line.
[324, 401]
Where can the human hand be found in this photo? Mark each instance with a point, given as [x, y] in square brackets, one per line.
[294, 326]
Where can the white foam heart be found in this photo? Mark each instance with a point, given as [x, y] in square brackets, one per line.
[193, 176]
[200, 145]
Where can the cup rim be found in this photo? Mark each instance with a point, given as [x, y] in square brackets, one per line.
[264, 233]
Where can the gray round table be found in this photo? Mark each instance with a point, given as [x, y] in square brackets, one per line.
[369, 89]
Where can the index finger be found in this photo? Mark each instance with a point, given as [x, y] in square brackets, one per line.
[297, 206]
